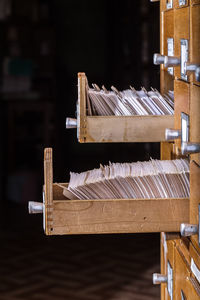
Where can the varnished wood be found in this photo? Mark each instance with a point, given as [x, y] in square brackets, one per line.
[194, 197]
[65, 216]
[166, 151]
[166, 81]
[181, 31]
[81, 118]
[194, 38]
[168, 30]
[195, 254]
[123, 129]
[195, 118]
[195, 2]
[119, 216]
[181, 104]
[181, 276]
[48, 189]
[111, 129]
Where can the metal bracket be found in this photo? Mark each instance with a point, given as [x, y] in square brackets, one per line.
[169, 4]
[182, 2]
[184, 57]
[170, 280]
[183, 296]
[185, 126]
[170, 52]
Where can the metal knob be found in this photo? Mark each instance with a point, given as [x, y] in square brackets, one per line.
[154, 0]
[197, 74]
[159, 278]
[188, 229]
[71, 123]
[35, 207]
[172, 134]
[190, 148]
[171, 61]
[190, 67]
[158, 59]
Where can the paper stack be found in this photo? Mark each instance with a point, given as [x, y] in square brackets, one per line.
[128, 102]
[140, 180]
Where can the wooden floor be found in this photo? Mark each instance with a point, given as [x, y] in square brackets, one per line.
[107, 267]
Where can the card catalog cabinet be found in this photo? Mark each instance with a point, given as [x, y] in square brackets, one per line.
[186, 259]
[180, 261]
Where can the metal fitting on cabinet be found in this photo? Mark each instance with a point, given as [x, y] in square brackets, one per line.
[172, 134]
[71, 123]
[35, 207]
[197, 74]
[171, 61]
[159, 278]
[188, 229]
[192, 67]
[158, 59]
[189, 148]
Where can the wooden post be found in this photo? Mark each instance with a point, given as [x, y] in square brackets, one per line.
[48, 190]
[81, 107]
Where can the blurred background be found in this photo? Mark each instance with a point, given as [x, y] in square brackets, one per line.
[44, 44]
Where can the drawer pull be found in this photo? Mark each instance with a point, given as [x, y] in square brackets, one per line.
[191, 229]
[192, 67]
[71, 123]
[197, 74]
[170, 61]
[172, 134]
[159, 278]
[158, 59]
[35, 207]
[188, 229]
[190, 148]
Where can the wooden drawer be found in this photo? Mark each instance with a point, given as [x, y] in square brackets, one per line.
[167, 37]
[185, 286]
[168, 28]
[181, 104]
[63, 216]
[168, 243]
[195, 118]
[194, 197]
[181, 32]
[194, 56]
[111, 129]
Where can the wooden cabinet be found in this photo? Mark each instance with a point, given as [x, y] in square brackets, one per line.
[186, 94]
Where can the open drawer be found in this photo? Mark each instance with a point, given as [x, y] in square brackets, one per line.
[111, 129]
[63, 216]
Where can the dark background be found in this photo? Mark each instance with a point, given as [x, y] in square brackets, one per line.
[46, 43]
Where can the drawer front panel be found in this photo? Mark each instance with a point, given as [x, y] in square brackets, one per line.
[194, 197]
[181, 104]
[194, 39]
[195, 118]
[181, 32]
[184, 283]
